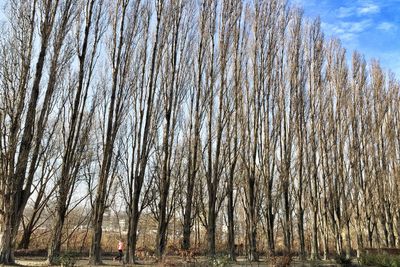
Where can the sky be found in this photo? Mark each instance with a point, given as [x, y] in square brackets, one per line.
[371, 27]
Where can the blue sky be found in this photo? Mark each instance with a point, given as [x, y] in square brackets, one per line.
[371, 27]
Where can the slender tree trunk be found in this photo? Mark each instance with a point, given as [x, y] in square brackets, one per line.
[7, 240]
[132, 239]
[231, 222]
[187, 218]
[54, 248]
[270, 228]
[252, 227]
[348, 240]
[26, 237]
[95, 248]
[211, 224]
[301, 234]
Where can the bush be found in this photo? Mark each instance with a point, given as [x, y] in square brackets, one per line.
[31, 253]
[381, 260]
[343, 260]
[68, 259]
[220, 261]
[284, 261]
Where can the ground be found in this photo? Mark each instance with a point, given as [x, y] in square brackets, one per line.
[176, 261]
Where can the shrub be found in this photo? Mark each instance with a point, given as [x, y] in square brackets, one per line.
[67, 259]
[343, 260]
[31, 253]
[220, 261]
[284, 261]
[381, 260]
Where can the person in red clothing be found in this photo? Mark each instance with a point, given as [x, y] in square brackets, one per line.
[120, 251]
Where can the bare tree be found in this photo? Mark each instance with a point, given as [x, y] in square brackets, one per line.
[234, 99]
[120, 59]
[315, 61]
[216, 84]
[79, 124]
[173, 82]
[143, 123]
[16, 182]
[194, 133]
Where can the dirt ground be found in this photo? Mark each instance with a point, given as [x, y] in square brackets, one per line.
[176, 261]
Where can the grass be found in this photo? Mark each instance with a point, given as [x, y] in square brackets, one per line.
[380, 260]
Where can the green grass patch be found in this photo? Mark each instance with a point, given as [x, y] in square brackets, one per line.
[380, 260]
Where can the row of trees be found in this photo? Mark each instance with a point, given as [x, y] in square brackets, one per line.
[195, 109]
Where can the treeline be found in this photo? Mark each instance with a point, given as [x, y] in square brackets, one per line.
[194, 109]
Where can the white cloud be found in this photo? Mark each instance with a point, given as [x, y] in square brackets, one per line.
[358, 9]
[347, 31]
[344, 12]
[368, 9]
[357, 27]
[386, 26]
[347, 36]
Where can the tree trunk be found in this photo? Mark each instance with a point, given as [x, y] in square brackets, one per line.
[325, 237]
[370, 233]
[187, 216]
[398, 229]
[231, 223]
[359, 232]
[132, 240]
[133, 223]
[348, 240]
[26, 238]
[301, 234]
[314, 241]
[270, 228]
[187, 222]
[6, 241]
[389, 225]
[211, 225]
[54, 248]
[252, 239]
[252, 220]
[95, 247]
[162, 224]
[286, 221]
[7, 249]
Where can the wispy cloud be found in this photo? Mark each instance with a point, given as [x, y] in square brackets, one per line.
[358, 23]
[359, 10]
[386, 26]
[368, 9]
[344, 12]
[357, 27]
[347, 30]
[353, 20]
